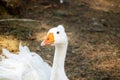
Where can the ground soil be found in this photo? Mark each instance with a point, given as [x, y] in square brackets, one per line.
[93, 29]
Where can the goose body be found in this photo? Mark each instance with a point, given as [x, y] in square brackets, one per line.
[23, 66]
[27, 65]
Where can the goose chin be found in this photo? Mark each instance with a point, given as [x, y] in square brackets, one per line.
[52, 44]
[45, 44]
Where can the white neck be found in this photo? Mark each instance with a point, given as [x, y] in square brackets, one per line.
[58, 72]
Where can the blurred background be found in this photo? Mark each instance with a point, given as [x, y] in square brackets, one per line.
[93, 28]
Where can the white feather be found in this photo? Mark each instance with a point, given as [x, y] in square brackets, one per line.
[27, 65]
[23, 66]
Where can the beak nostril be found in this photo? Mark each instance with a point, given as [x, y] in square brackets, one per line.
[47, 38]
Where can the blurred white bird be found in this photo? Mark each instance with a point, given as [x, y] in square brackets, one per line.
[27, 65]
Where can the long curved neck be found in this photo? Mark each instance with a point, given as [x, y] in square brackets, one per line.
[58, 72]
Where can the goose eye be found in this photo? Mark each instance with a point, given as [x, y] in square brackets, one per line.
[58, 32]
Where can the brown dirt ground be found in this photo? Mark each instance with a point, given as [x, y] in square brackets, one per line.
[93, 28]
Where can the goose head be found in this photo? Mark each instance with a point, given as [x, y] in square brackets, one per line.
[55, 36]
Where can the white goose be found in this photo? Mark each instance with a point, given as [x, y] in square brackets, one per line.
[27, 65]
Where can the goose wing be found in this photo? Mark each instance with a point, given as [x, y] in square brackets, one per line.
[25, 65]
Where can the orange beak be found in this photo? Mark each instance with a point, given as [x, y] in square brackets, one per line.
[48, 40]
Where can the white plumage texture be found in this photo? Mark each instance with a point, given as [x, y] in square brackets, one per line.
[25, 65]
